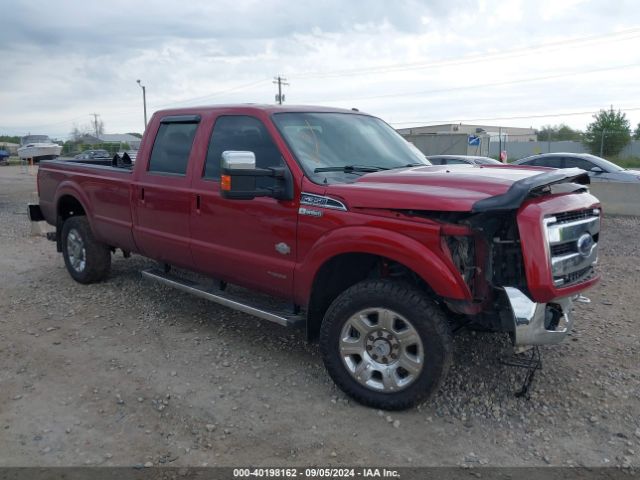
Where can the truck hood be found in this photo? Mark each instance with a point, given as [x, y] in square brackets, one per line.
[459, 188]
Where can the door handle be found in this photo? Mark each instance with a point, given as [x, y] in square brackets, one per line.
[198, 200]
[142, 195]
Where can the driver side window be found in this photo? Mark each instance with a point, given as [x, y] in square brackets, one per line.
[240, 133]
[570, 162]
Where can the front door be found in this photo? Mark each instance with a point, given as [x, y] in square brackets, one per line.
[251, 243]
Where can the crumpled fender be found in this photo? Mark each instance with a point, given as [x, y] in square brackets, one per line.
[442, 278]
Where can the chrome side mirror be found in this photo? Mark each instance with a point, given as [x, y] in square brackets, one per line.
[237, 160]
[239, 174]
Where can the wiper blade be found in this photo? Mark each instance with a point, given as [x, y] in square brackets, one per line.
[350, 169]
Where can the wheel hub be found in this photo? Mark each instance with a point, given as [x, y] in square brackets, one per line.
[381, 349]
[382, 346]
[76, 250]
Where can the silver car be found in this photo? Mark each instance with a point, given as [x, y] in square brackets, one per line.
[600, 170]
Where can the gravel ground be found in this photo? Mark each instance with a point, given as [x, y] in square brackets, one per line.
[127, 372]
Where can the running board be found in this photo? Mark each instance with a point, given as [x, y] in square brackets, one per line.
[281, 317]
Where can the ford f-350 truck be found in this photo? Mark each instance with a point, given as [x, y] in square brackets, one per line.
[377, 253]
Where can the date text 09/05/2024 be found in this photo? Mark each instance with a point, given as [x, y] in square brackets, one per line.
[316, 472]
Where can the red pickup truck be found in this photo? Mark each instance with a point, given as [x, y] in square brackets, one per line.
[379, 254]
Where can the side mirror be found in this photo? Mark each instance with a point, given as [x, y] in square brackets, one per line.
[239, 175]
[596, 170]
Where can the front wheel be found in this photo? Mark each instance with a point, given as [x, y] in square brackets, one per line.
[86, 259]
[386, 344]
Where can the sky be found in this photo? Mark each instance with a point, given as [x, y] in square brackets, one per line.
[510, 63]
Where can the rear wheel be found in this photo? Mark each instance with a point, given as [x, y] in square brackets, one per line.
[86, 259]
[386, 344]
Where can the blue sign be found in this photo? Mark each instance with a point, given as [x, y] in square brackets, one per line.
[474, 140]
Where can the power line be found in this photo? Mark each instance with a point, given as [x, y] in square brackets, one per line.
[214, 94]
[570, 43]
[280, 81]
[493, 84]
[523, 117]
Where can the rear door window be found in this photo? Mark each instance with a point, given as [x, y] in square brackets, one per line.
[172, 147]
[553, 162]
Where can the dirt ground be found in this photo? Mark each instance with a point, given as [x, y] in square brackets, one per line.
[127, 372]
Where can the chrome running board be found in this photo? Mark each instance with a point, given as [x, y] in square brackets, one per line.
[230, 300]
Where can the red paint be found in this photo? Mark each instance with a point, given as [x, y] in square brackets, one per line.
[183, 220]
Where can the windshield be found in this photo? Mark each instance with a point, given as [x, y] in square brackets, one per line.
[486, 161]
[35, 139]
[606, 165]
[335, 140]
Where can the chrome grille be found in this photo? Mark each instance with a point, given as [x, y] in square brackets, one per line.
[573, 245]
[576, 215]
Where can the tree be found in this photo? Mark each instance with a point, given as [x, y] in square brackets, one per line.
[95, 129]
[555, 133]
[636, 134]
[609, 133]
[9, 139]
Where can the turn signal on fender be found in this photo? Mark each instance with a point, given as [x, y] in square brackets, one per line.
[225, 183]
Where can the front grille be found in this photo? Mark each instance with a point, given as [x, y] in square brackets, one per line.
[563, 249]
[573, 245]
[576, 277]
[576, 215]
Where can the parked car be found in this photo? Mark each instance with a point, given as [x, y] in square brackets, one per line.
[91, 154]
[4, 157]
[349, 230]
[462, 160]
[599, 169]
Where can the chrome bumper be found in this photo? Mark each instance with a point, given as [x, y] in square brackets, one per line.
[538, 323]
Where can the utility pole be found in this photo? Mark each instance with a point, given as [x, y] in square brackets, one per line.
[144, 102]
[95, 123]
[500, 143]
[602, 143]
[280, 81]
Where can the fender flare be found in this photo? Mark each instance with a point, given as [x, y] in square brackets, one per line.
[68, 188]
[440, 275]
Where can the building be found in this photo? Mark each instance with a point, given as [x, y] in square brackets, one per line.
[12, 148]
[510, 134]
[131, 140]
[115, 138]
[461, 139]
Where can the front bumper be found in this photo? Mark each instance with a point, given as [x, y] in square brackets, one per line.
[538, 323]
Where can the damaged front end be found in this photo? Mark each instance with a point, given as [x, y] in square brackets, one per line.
[525, 254]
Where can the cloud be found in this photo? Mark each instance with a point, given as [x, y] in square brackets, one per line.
[70, 59]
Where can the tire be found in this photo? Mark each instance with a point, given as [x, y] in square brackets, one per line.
[397, 324]
[87, 260]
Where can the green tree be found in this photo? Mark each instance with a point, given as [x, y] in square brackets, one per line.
[636, 133]
[9, 139]
[555, 133]
[608, 134]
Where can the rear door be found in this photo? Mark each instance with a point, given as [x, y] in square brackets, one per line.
[247, 242]
[162, 202]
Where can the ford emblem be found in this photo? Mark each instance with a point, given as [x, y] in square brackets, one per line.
[584, 244]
